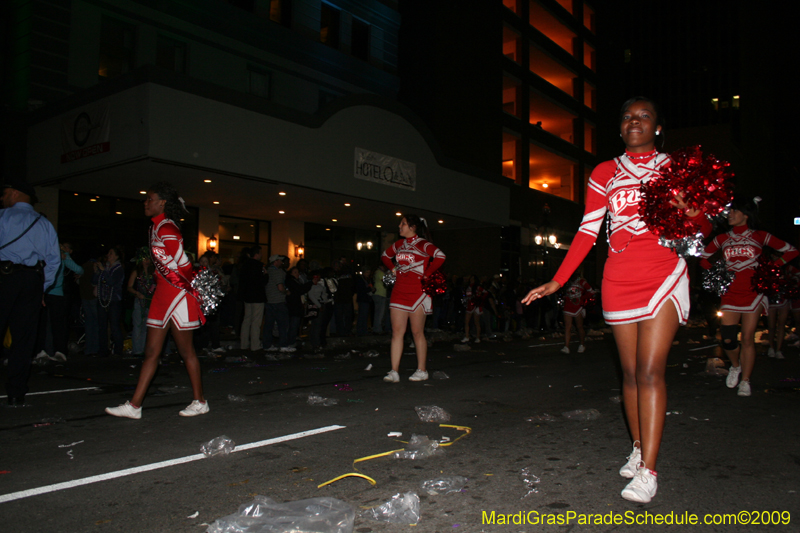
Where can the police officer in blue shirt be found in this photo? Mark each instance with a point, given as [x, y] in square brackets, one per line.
[29, 259]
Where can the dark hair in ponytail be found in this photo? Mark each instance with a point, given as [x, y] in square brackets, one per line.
[418, 222]
[749, 208]
[174, 208]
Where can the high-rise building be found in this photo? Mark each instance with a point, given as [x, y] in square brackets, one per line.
[277, 120]
[511, 87]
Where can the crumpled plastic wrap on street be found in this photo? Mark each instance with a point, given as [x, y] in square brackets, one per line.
[444, 485]
[419, 447]
[401, 509]
[265, 515]
[221, 445]
[530, 480]
[316, 399]
[432, 413]
[582, 414]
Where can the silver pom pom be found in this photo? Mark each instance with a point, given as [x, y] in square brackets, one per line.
[718, 278]
[685, 247]
[389, 278]
[209, 289]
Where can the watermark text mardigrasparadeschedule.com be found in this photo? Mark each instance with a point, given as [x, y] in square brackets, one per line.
[636, 518]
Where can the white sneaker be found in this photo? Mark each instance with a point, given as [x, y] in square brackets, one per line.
[744, 388]
[478, 340]
[581, 348]
[771, 352]
[565, 349]
[126, 410]
[392, 377]
[778, 355]
[60, 357]
[465, 339]
[42, 356]
[628, 470]
[642, 487]
[419, 375]
[733, 376]
[195, 408]
[272, 349]
[218, 350]
[288, 349]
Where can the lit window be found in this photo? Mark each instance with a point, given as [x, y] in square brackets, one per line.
[735, 104]
[511, 44]
[551, 117]
[511, 96]
[589, 57]
[566, 4]
[551, 27]
[512, 145]
[513, 5]
[552, 71]
[588, 17]
[589, 96]
[715, 104]
[552, 173]
[589, 138]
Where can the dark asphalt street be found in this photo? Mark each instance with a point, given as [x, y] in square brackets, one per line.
[721, 454]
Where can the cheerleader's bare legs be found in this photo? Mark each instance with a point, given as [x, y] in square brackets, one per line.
[152, 354]
[745, 354]
[776, 321]
[578, 326]
[400, 320]
[643, 350]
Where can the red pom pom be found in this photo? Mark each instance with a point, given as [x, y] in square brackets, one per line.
[435, 284]
[704, 182]
[767, 278]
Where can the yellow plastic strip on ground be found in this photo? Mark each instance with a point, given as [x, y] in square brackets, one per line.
[465, 429]
[352, 474]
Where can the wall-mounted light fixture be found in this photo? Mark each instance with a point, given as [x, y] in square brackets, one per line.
[211, 244]
[299, 251]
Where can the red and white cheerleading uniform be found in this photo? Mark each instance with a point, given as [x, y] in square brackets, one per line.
[175, 298]
[741, 247]
[411, 255]
[476, 297]
[640, 275]
[793, 275]
[575, 294]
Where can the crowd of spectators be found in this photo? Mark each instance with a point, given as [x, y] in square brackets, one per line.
[102, 305]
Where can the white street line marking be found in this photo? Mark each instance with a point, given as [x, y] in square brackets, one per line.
[542, 345]
[55, 391]
[155, 466]
[703, 347]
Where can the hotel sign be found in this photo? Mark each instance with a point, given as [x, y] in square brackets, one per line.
[85, 133]
[379, 168]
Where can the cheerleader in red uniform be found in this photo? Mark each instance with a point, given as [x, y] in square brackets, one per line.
[794, 304]
[175, 307]
[475, 296]
[741, 247]
[575, 295]
[645, 289]
[416, 260]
